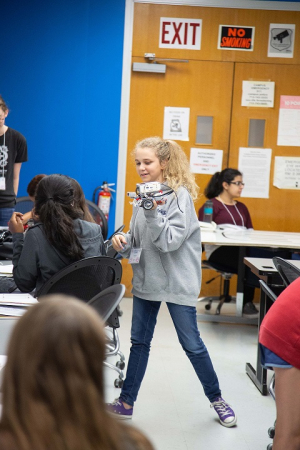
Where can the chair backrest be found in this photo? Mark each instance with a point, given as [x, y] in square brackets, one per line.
[267, 290]
[106, 301]
[99, 217]
[85, 278]
[110, 251]
[287, 270]
[24, 204]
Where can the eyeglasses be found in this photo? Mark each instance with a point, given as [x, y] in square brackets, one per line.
[237, 183]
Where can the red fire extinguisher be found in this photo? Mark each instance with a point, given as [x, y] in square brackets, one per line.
[104, 197]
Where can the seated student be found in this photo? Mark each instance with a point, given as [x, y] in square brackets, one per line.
[223, 188]
[31, 189]
[279, 338]
[79, 201]
[58, 239]
[53, 397]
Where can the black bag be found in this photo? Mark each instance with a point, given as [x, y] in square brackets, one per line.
[6, 245]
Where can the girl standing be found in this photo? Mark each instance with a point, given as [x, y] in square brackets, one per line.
[164, 246]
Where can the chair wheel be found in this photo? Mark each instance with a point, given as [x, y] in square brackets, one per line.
[118, 383]
[120, 365]
[270, 446]
[271, 432]
[208, 306]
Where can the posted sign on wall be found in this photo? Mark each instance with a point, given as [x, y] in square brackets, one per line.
[180, 33]
[232, 37]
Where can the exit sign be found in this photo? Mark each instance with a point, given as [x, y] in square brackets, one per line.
[180, 33]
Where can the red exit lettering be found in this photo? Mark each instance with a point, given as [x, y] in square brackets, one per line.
[171, 32]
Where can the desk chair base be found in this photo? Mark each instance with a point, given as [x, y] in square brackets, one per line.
[224, 296]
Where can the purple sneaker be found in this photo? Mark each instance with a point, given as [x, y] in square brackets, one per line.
[117, 408]
[226, 414]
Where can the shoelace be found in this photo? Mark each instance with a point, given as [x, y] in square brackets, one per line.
[221, 407]
[116, 402]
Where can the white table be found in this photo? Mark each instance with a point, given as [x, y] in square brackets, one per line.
[243, 239]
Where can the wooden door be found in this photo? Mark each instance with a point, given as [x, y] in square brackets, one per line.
[279, 212]
[203, 86]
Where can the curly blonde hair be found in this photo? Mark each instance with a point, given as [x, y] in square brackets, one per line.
[177, 171]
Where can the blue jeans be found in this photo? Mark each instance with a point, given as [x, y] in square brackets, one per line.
[142, 329]
[5, 215]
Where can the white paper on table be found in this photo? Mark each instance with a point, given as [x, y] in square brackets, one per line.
[7, 269]
[17, 299]
[255, 163]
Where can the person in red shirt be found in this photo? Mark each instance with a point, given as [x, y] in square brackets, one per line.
[279, 338]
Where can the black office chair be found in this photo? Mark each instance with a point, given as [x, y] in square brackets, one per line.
[107, 301]
[224, 296]
[86, 279]
[269, 293]
[106, 304]
[287, 270]
[99, 217]
[24, 204]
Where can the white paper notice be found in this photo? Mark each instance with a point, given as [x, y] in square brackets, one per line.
[287, 172]
[176, 123]
[281, 40]
[205, 160]
[254, 163]
[289, 121]
[258, 93]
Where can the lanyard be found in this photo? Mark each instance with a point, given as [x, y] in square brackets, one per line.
[2, 154]
[231, 214]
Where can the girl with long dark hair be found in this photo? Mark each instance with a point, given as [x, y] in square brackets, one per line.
[60, 236]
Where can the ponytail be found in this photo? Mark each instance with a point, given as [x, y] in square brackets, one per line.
[54, 205]
[215, 185]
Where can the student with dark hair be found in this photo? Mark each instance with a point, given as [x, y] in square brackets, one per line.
[59, 238]
[79, 201]
[31, 189]
[223, 189]
[53, 397]
[32, 185]
[13, 152]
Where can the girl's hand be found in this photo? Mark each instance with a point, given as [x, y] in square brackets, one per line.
[15, 224]
[118, 242]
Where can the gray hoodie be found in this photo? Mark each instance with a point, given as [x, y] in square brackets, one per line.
[169, 269]
[35, 260]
